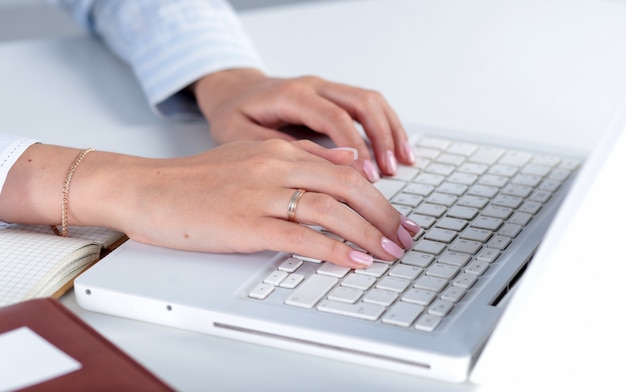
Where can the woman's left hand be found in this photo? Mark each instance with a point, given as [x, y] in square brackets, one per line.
[245, 104]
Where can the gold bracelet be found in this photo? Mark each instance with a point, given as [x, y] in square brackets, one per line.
[66, 192]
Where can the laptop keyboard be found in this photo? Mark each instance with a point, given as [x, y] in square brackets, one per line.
[472, 202]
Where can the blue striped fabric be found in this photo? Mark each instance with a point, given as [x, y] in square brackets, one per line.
[168, 43]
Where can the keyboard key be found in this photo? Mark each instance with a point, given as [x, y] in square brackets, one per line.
[331, 269]
[451, 223]
[430, 283]
[441, 235]
[407, 199]
[475, 234]
[499, 242]
[419, 296]
[487, 223]
[405, 271]
[488, 255]
[402, 314]
[375, 270]
[440, 308]
[441, 270]
[483, 190]
[275, 278]
[394, 284]
[290, 265]
[465, 246]
[515, 158]
[433, 210]
[418, 259]
[427, 322]
[454, 258]
[345, 294]
[441, 198]
[452, 188]
[311, 291]
[388, 187]
[424, 221]
[362, 310]
[467, 213]
[462, 148]
[427, 246]
[381, 297]
[477, 267]
[359, 281]
[292, 281]
[510, 230]
[418, 189]
[487, 155]
[465, 280]
[261, 291]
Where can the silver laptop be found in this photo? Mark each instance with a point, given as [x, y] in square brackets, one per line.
[484, 208]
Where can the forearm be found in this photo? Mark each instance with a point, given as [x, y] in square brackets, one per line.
[33, 190]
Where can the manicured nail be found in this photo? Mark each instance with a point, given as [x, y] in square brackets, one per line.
[355, 152]
[410, 225]
[370, 171]
[408, 151]
[390, 159]
[405, 237]
[361, 258]
[391, 248]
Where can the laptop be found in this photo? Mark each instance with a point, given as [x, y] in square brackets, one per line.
[484, 209]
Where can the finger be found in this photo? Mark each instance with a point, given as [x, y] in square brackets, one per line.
[379, 121]
[242, 128]
[345, 184]
[318, 113]
[322, 210]
[301, 240]
[338, 156]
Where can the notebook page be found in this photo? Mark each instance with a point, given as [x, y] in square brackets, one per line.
[101, 235]
[27, 258]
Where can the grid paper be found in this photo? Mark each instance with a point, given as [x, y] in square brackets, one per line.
[26, 257]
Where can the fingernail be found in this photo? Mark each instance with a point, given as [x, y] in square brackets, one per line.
[409, 224]
[391, 248]
[405, 237]
[408, 151]
[361, 258]
[354, 151]
[390, 159]
[370, 171]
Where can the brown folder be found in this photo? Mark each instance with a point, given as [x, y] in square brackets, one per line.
[104, 366]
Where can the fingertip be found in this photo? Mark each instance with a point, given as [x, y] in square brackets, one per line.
[354, 151]
[371, 173]
[360, 259]
[407, 150]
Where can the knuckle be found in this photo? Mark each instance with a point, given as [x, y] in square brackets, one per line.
[322, 204]
[350, 178]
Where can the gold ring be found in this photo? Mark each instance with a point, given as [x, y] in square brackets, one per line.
[293, 204]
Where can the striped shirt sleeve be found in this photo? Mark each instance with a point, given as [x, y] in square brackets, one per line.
[168, 43]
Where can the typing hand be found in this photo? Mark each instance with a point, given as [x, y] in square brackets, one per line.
[236, 198]
[244, 104]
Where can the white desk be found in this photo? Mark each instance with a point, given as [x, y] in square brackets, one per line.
[541, 70]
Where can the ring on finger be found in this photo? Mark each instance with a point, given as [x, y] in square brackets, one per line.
[293, 204]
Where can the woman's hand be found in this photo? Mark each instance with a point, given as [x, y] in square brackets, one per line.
[233, 198]
[244, 104]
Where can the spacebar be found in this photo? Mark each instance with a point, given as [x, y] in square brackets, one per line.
[311, 291]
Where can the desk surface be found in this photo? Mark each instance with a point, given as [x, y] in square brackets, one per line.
[541, 71]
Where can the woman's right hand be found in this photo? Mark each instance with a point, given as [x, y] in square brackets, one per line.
[234, 198]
